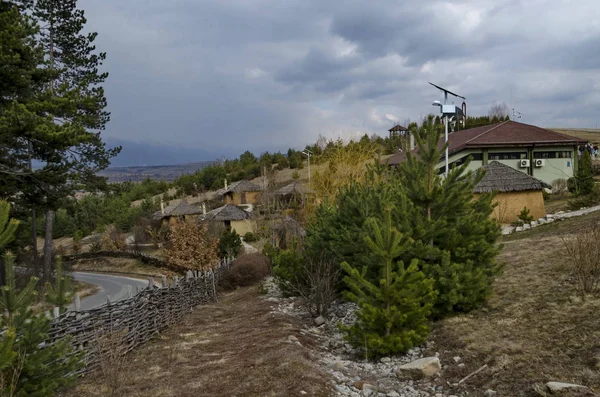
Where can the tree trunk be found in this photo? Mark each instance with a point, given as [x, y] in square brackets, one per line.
[48, 245]
[34, 246]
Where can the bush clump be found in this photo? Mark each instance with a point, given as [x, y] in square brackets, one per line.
[230, 244]
[250, 237]
[246, 270]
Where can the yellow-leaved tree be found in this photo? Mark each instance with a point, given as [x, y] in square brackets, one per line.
[190, 247]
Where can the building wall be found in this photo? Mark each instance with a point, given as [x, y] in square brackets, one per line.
[236, 198]
[554, 168]
[511, 204]
[243, 227]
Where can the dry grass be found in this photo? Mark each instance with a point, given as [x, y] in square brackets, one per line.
[591, 135]
[118, 265]
[534, 329]
[235, 347]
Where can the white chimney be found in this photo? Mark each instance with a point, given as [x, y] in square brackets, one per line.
[162, 206]
[204, 208]
[225, 184]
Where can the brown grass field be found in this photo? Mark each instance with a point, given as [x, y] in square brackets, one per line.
[534, 329]
[235, 347]
[591, 135]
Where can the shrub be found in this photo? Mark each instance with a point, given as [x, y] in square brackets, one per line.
[230, 244]
[76, 242]
[250, 237]
[571, 185]
[95, 246]
[287, 266]
[525, 215]
[560, 186]
[246, 270]
[583, 253]
[587, 200]
[112, 239]
[585, 175]
[190, 247]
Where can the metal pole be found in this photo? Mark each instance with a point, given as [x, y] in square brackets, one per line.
[308, 155]
[446, 131]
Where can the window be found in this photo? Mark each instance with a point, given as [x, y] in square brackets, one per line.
[507, 156]
[460, 161]
[561, 154]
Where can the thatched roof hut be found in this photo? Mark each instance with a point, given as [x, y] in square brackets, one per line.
[227, 212]
[182, 208]
[502, 178]
[239, 187]
[293, 189]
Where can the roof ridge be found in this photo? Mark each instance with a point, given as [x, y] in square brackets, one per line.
[486, 131]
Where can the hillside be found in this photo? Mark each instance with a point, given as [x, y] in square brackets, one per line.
[592, 135]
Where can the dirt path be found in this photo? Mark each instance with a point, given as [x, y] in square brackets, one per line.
[238, 346]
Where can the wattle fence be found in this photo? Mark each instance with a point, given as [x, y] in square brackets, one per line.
[129, 323]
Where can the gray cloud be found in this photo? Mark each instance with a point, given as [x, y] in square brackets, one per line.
[265, 74]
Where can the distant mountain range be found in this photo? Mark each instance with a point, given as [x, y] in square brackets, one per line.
[138, 161]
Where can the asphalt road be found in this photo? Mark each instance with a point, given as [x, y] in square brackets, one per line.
[113, 286]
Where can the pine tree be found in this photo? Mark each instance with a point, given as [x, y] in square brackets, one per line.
[393, 311]
[28, 366]
[584, 177]
[60, 294]
[8, 226]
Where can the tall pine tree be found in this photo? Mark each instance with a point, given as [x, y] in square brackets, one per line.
[584, 177]
[68, 143]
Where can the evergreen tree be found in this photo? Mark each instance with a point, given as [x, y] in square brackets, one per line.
[454, 239]
[584, 178]
[28, 366]
[60, 294]
[230, 244]
[8, 226]
[393, 311]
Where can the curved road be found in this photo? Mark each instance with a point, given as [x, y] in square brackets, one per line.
[113, 286]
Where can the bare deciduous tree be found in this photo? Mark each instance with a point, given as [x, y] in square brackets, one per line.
[583, 253]
[499, 110]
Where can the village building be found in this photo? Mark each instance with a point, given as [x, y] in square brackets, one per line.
[232, 217]
[514, 190]
[241, 192]
[292, 195]
[178, 210]
[538, 152]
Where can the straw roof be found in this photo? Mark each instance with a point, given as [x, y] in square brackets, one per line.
[240, 187]
[293, 188]
[502, 178]
[228, 212]
[178, 209]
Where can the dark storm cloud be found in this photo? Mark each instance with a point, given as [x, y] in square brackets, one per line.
[266, 74]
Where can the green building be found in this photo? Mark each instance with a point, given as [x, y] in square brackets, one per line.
[541, 153]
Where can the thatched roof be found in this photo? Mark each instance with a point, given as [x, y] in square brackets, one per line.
[293, 188]
[178, 209]
[228, 212]
[240, 187]
[502, 178]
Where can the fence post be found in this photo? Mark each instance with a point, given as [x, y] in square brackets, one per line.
[150, 282]
[164, 281]
[214, 287]
[56, 312]
[108, 300]
[77, 303]
[129, 291]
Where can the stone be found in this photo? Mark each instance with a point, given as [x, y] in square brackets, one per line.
[550, 220]
[526, 226]
[519, 229]
[319, 321]
[534, 223]
[560, 387]
[461, 365]
[385, 359]
[457, 359]
[490, 393]
[393, 393]
[424, 367]
[542, 221]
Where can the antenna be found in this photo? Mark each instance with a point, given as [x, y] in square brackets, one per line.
[446, 92]
[516, 114]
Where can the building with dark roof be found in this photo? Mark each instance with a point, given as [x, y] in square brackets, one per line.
[241, 192]
[514, 190]
[544, 154]
[232, 217]
[177, 210]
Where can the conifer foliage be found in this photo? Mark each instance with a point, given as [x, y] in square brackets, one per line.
[393, 310]
[453, 240]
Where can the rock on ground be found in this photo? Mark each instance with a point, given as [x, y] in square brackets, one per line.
[560, 387]
[424, 367]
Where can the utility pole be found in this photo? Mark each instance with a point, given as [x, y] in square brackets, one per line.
[308, 153]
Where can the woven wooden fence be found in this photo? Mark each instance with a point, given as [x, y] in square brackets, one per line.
[137, 319]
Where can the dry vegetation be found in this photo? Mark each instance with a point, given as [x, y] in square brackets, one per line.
[591, 135]
[236, 347]
[117, 266]
[535, 329]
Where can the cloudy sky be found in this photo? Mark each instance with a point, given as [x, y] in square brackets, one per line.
[269, 74]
